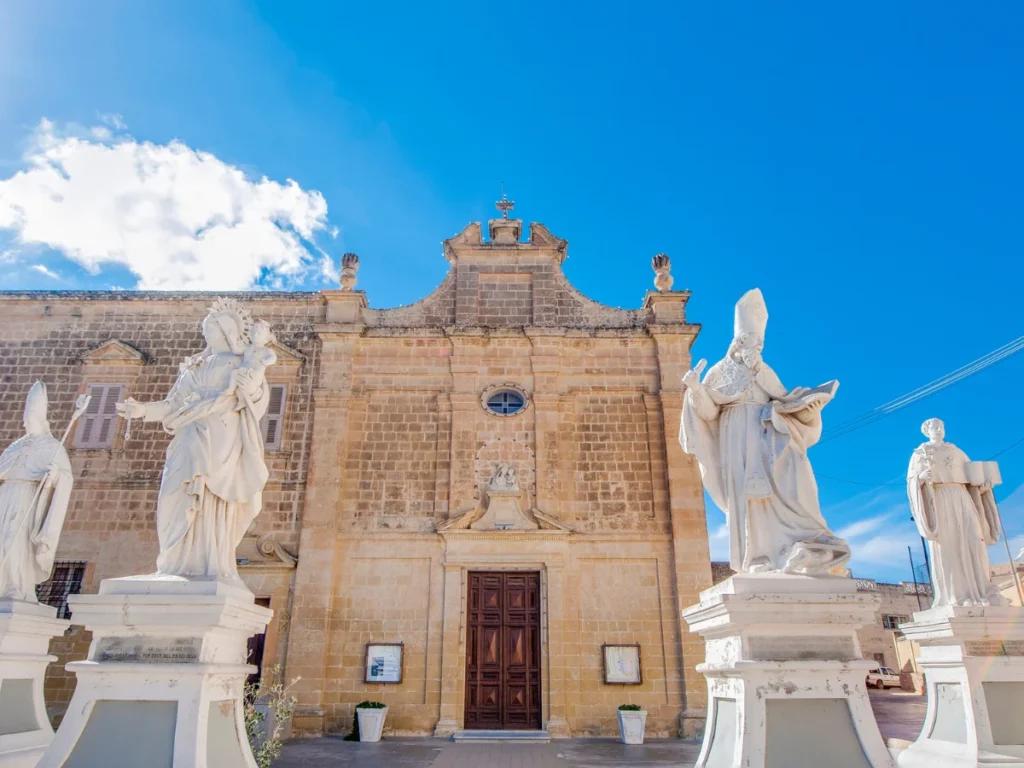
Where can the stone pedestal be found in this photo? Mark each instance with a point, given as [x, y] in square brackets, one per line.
[785, 673]
[973, 663]
[162, 686]
[25, 633]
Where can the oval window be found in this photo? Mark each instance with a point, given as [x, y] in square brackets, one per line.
[505, 402]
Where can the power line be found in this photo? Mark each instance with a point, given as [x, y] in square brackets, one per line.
[948, 380]
[1007, 448]
[902, 483]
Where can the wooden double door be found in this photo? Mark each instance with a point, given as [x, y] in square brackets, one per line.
[503, 651]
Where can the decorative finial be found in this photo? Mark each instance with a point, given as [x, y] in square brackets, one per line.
[504, 205]
[661, 264]
[349, 266]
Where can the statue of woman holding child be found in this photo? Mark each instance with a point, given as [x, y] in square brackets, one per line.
[212, 484]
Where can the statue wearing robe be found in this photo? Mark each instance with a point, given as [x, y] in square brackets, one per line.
[955, 511]
[750, 436]
[35, 486]
[213, 478]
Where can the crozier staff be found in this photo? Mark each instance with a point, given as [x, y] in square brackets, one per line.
[35, 486]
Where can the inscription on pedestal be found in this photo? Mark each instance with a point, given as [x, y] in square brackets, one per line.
[994, 648]
[149, 650]
[797, 647]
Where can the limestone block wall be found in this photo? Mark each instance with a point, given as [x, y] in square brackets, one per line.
[623, 592]
[111, 521]
[388, 590]
[386, 437]
[875, 639]
[391, 588]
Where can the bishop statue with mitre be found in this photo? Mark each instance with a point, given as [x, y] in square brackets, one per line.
[750, 436]
[35, 487]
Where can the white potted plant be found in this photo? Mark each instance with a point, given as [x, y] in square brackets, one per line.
[632, 721]
[370, 715]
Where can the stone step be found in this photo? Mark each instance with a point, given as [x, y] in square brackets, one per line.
[521, 737]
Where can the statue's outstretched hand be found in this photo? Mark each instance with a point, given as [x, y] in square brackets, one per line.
[130, 409]
[692, 377]
[52, 476]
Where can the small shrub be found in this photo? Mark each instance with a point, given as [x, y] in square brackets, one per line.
[281, 704]
[630, 707]
[371, 705]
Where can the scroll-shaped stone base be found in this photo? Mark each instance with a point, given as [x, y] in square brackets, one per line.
[163, 683]
[973, 663]
[25, 633]
[503, 513]
[785, 673]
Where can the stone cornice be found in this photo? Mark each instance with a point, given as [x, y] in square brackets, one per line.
[690, 330]
[331, 331]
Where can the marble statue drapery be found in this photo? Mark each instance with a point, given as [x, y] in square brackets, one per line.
[213, 478]
[31, 517]
[750, 436]
[958, 519]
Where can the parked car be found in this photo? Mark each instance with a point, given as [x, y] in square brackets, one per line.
[883, 677]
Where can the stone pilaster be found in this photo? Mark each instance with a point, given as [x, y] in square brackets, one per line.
[685, 500]
[452, 655]
[315, 575]
[567, 456]
[557, 722]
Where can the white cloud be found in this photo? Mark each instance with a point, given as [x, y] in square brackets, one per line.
[880, 533]
[718, 542]
[177, 218]
[862, 527]
[43, 270]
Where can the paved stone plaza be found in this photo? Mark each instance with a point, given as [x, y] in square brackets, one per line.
[899, 717]
[435, 753]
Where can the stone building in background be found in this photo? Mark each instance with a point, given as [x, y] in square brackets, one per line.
[883, 641]
[386, 518]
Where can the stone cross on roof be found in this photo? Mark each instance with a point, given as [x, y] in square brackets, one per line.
[504, 205]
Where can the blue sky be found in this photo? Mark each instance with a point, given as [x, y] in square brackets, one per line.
[861, 165]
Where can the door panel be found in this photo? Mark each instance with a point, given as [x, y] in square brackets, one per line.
[503, 651]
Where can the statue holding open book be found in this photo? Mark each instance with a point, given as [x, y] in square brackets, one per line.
[750, 436]
[952, 502]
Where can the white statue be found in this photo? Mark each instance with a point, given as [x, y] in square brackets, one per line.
[750, 436]
[35, 485]
[951, 498]
[212, 485]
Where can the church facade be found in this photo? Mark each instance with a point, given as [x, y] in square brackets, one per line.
[481, 494]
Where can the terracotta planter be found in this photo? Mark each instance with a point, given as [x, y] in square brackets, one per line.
[631, 726]
[371, 723]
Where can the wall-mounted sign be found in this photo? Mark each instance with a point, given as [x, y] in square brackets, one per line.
[384, 662]
[622, 664]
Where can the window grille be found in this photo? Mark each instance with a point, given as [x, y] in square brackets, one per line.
[505, 402]
[893, 622]
[65, 580]
[271, 425]
[99, 421]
